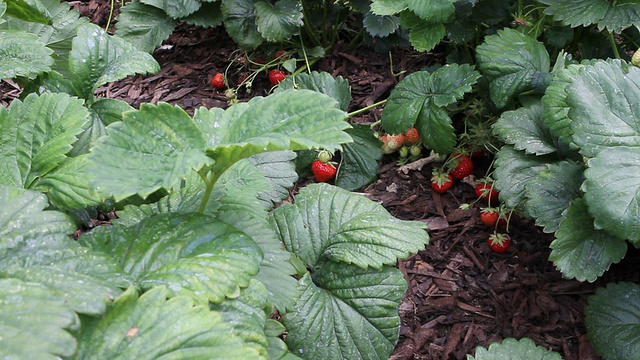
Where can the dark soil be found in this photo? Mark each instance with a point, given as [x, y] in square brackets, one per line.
[460, 294]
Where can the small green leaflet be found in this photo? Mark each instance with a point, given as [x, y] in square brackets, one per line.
[278, 21]
[97, 58]
[613, 16]
[239, 19]
[152, 327]
[513, 72]
[36, 246]
[192, 254]
[322, 82]
[175, 8]
[423, 35]
[604, 100]
[581, 251]
[420, 101]
[152, 148]
[612, 317]
[550, 191]
[36, 134]
[143, 25]
[612, 191]
[23, 54]
[524, 129]
[513, 170]
[346, 312]
[511, 349]
[30, 311]
[328, 222]
[380, 25]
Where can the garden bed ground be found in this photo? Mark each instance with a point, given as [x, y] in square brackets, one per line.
[460, 294]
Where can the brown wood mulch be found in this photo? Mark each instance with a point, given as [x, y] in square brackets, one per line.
[460, 294]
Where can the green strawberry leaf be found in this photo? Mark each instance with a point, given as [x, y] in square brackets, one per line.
[97, 58]
[37, 133]
[331, 223]
[513, 72]
[512, 349]
[278, 169]
[36, 246]
[287, 120]
[513, 171]
[346, 312]
[30, 311]
[612, 317]
[239, 18]
[209, 15]
[66, 189]
[152, 327]
[23, 54]
[433, 11]
[419, 100]
[152, 148]
[322, 82]
[103, 111]
[278, 21]
[581, 251]
[175, 8]
[248, 314]
[27, 11]
[556, 110]
[524, 129]
[612, 16]
[604, 101]
[240, 208]
[550, 192]
[612, 191]
[423, 35]
[58, 34]
[388, 7]
[193, 254]
[380, 25]
[359, 165]
[144, 26]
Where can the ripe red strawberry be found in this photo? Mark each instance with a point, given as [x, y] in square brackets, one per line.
[218, 81]
[440, 181]
[412, 136]
[462, 166]
[275, 76]
[492, 216]
[486, 192]
[499, 242]
[323, 171]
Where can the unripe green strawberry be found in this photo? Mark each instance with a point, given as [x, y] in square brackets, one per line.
[635, 59]
[403, 152]
[416, 150]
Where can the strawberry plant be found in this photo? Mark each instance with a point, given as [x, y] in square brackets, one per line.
[198, 236]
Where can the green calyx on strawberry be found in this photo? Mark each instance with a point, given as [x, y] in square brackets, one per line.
[461, 166]
[499, 242]
[441, 181]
